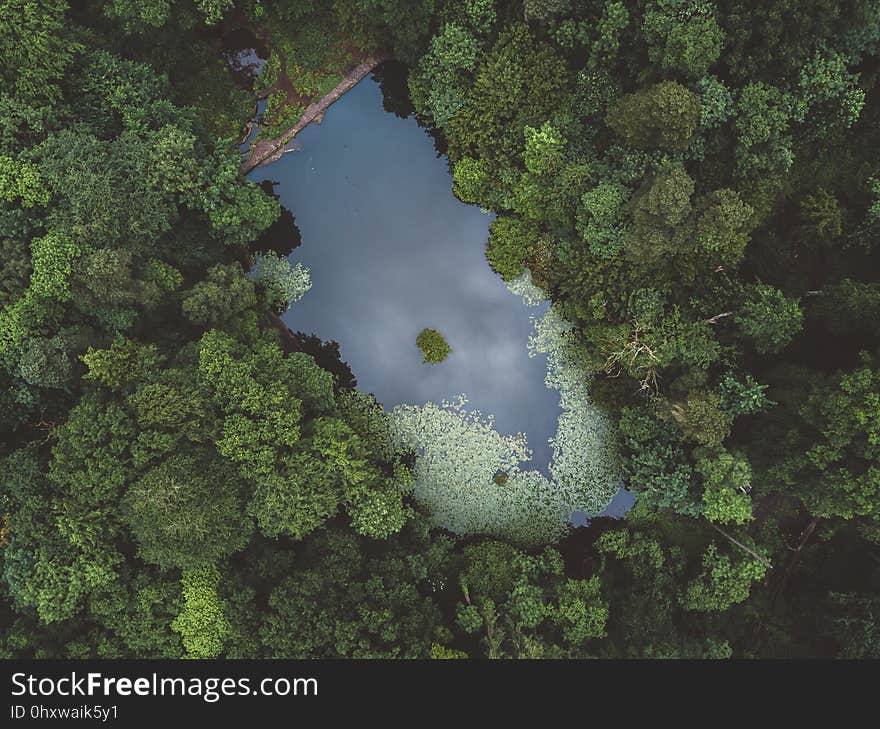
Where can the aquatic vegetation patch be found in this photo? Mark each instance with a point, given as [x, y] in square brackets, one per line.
[459, 455]
[585, 466]
[469, 477]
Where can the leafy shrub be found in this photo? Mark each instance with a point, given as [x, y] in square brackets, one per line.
[433, 345]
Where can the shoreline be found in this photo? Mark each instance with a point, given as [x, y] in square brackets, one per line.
[267, 151]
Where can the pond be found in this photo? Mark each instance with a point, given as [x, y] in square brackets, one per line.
[392, 251]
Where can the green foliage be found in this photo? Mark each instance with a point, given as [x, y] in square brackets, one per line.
[136, 615]
[822, 215]
[723, 582]
[543, 9]
[769, 318]
[658, 211]
[51, 258]
[138, 17]
[727, 478]
[201, 624]
[213, 10]
[518, 83]
[522, 606]
[284, 283]
[59, 556]
[172, 483]
[21, 180]
[511, 242]
[643, 572]
[601, 218]
[716, 102]
[656, 464]
[470, 179]
[222, 296]
[454, 49]
[238, 210]
[743, 398]
[544, 149]
[342, 602]
[830, 91]
[723, 225]
[481, 14]
[433, 345]
[702, 419]
[302, 474]
[44, 362]
[833, 461]
[763, 119]
[124, 362]
[186, 512]
[604, 48]
[683, 35]
[663, 116]
[35, 50]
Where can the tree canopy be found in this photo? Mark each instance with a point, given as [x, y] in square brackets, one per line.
[694, 184]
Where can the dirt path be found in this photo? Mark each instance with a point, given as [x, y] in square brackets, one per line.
[265, 151]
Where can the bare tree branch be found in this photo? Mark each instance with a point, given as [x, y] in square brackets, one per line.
[718, 317]
[739, 544]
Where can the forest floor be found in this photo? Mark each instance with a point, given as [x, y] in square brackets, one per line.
[264, 151]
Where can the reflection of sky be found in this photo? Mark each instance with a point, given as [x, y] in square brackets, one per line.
[392, 251]
[622, 502]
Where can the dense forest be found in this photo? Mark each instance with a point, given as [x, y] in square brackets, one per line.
[694, 183]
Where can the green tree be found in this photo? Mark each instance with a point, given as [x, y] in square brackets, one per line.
[726, 478]
[544, 149]
[660, 211]
[663, 116]
[769, 318]
[34, 49]
[833, 462]
[723, 581]
[187, 512]
[44, 362]
[601, 218]
[224, 295]
[655, 462]
[543, 9]
[470, 179]
[830, 92]
[518, 83]
[433, 345]
[213, 10]
[683, 35]
[284, 283]
[702, 419]
[511, 242]
[201, 623]
[523, 606]
[342, 602]
[21, 181]
[723, 226]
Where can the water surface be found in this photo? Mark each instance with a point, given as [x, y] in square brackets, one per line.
[392, 251]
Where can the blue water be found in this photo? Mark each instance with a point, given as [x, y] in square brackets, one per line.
[392, 251]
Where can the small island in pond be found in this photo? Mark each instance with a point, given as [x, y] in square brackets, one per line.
[433, 345]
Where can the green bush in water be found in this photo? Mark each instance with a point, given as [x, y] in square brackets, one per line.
[433, 346]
